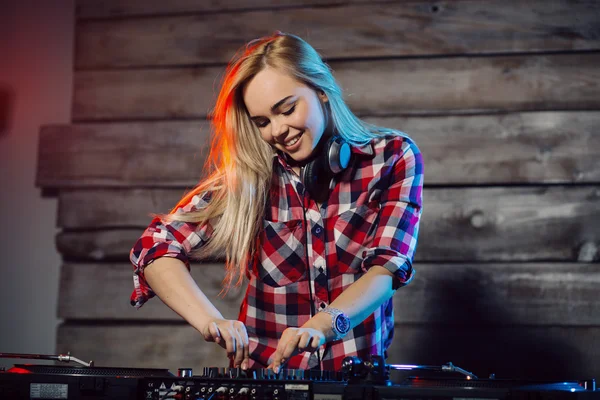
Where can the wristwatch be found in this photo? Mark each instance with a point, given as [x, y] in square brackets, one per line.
[340, 322]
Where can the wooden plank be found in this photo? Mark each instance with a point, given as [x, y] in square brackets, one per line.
[486, 224]
[80, 298]
[386, 30]
[372, 87]
[118, 8]
[509, 352]
[467, 294]
[136, 346]
[104, 154]
[529, 147]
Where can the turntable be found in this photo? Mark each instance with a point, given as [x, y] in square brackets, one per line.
[359, 379]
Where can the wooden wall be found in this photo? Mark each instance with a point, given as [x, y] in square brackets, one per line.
[503, 98]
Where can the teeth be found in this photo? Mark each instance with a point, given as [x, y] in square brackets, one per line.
[293, 141]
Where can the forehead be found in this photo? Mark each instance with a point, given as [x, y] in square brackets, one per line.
[267, 88]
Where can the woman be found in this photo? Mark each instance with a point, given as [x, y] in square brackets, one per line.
[316, 208]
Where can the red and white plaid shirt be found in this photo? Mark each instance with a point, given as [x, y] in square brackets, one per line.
[371, 218]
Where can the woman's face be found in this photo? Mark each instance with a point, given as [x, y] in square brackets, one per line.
[288, 114]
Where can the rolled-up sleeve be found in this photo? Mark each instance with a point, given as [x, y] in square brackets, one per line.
[174, 239]
[397, 230]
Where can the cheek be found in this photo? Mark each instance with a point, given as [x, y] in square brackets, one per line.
[318, 117]
[310, 117]
[265, 135]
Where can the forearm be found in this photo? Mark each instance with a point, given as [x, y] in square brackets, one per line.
[171, 281]
[359, 300]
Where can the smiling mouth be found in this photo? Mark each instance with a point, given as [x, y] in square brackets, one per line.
[293, 141]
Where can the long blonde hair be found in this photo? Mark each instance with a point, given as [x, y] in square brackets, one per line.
[240, 162]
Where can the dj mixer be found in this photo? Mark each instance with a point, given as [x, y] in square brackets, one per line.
[359, 379]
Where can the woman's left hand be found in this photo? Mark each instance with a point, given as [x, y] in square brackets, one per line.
[294, 341]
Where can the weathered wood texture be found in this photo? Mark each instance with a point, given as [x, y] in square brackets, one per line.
[81, 299]
[494, 93]
[408, 86]
[385, 30]
[461, 224]
[510, 352]
[86, 9]
[465, 294]
[528, 147]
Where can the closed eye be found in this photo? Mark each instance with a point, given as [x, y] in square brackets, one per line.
[262, 124]
[290, 111]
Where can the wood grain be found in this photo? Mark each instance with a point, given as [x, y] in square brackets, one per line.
[509, 352]
[86, 9]
[81, 299]
[407, 86]
[527, 147]
[467, 294]
[459, 224]
[385, 30]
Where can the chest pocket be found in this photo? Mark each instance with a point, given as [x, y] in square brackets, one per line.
[354, 231]
[282, 254]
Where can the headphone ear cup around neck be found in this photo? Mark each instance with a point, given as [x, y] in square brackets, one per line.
[317, 174]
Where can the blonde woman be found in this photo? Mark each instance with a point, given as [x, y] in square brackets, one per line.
[316, 208]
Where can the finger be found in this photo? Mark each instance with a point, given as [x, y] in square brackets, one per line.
[214, 332]
[239, 350]
[246, 361]
[230, 345]
[276, 359]
[315, 343]
[279, 356]
[291, 347]
[305, 338]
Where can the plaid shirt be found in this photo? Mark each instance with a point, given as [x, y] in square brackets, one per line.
[371, 218]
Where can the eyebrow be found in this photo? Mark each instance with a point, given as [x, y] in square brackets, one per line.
[275, 106]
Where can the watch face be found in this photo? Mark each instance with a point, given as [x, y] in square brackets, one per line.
[342, 324]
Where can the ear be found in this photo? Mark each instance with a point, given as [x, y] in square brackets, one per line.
[322, 96]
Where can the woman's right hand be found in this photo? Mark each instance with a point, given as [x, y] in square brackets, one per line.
[230, 335]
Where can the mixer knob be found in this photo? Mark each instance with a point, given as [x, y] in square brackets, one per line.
[243, 393]
[221, 393]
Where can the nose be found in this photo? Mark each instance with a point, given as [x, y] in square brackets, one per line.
[278, 128]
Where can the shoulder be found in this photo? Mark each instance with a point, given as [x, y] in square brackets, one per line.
[395, 146]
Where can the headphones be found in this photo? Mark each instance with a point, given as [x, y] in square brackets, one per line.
[334, 157]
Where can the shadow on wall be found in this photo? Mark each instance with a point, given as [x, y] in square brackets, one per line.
[484, 339]
[7, 101]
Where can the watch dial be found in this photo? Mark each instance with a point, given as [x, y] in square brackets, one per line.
[342, 324]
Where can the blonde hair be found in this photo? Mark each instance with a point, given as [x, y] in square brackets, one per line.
[240, 162]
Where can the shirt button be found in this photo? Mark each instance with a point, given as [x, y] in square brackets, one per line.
[323, 305]
[318, 230]
[321, 269]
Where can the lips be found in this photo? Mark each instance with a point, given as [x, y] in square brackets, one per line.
[293, 143]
